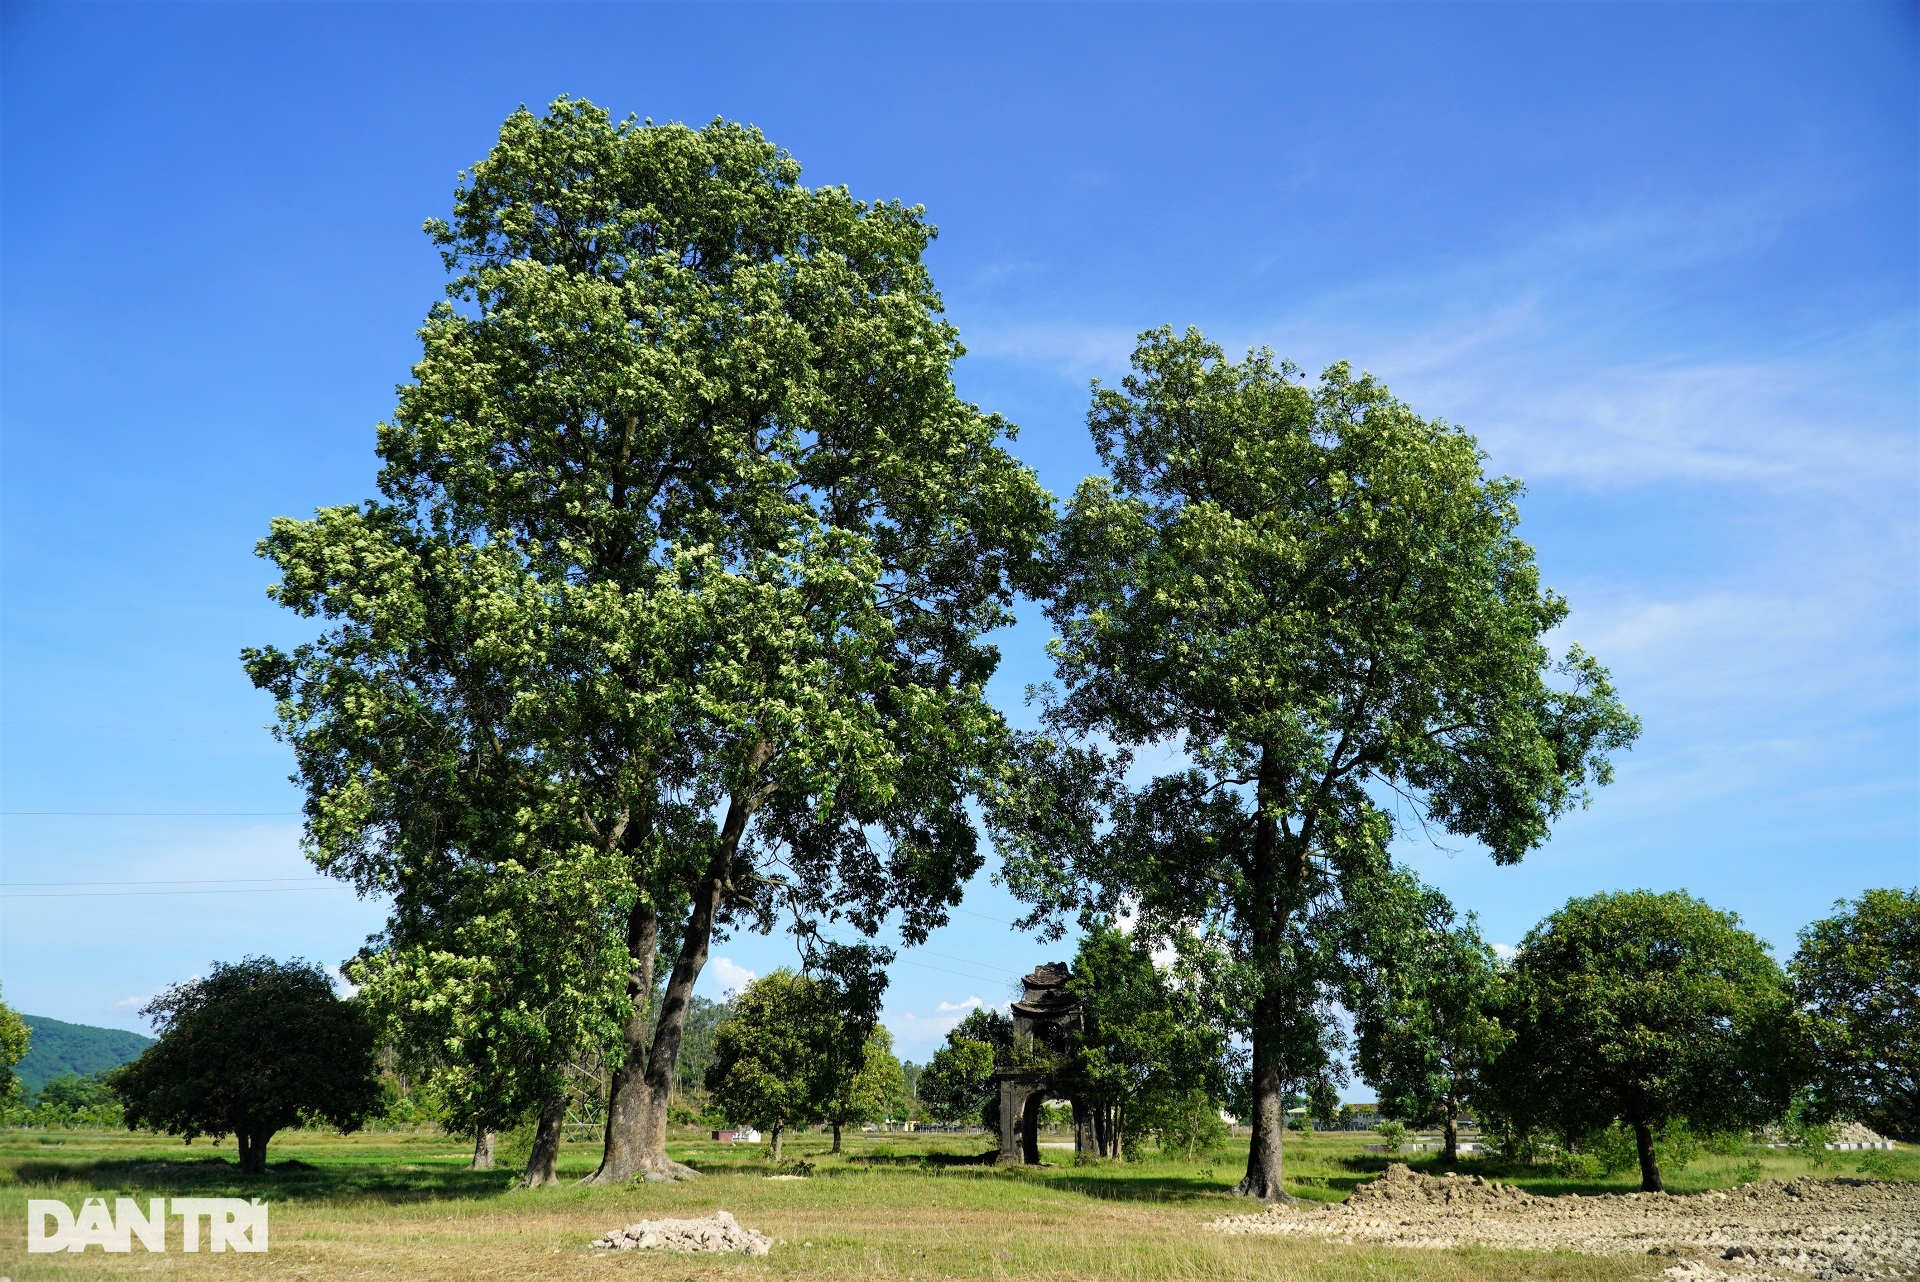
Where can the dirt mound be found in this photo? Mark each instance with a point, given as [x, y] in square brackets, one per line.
[716, 1232]
[1803, 1228]
[1854, 1133]
[1403, 1186]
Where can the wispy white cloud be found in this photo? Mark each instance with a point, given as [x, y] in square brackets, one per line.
[1076, 350]
[730, 975]
[1505, 952]
[917, 1034]
[1561, 351]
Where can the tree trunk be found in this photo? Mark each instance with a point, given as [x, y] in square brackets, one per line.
[778, 1128]
[623, 1156]
[1649, 1166]
[1269, 1121]
[482, 1151]
[1451, 1155]
[642, 1090]
[543, 1160]
[253, 1151]
[836, 1137]
[1269, 1082]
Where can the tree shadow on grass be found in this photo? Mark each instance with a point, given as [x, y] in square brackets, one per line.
[291, 1180]
[1129, 1188]
[927, 1161]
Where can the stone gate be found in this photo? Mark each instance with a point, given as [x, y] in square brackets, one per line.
[1048, 1020]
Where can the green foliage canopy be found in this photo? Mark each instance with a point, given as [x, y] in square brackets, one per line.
[764, 1070]
[1321, 600]
[1857, 978]
[14, 1040]
[488, 1005]
[957, 1084]
[253, 1048]
[1147, 1046]
[1425, 991]
[1647, 1009]
[683, 554]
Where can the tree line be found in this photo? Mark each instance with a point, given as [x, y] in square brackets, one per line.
[671, 615]
[1627, 1021]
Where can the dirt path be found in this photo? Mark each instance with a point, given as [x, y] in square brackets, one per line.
[1799, 1229]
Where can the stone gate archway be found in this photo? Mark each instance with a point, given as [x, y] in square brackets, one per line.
[1048, 1019]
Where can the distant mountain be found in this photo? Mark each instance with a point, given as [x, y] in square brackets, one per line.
[59, 1048]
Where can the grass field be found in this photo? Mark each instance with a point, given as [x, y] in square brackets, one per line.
[893, 1207]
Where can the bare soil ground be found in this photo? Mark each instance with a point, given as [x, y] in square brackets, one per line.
[1772, 1229]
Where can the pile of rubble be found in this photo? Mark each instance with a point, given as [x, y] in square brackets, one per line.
[716, 1232]
[1805, 1228]
[1402, 1186]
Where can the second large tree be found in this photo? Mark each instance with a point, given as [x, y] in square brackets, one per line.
[1318, 599]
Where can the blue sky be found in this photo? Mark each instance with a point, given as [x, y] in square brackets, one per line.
[1661, 259]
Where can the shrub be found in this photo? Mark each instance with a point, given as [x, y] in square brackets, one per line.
[1877, 1166]
[1189, 1124]
[1615, 1149]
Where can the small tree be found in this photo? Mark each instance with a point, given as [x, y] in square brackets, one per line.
[1186, 1122]
[14, 1038]
[1425, 1004]
[1647, 1009]
[764, 1065]
[869, 1092]
[255, 1047]
[489, 1000]
[957, 1085]
[1145, 1046]
[1857, 977]
[854, 1077]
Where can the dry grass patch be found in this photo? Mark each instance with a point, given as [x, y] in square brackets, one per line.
[893, 1208]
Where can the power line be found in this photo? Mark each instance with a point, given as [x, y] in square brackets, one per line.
[155, 814]
[118, 894]
[983, 917]
[169, 881]
[978, 979]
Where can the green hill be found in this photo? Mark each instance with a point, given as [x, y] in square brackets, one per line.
[59, 1048]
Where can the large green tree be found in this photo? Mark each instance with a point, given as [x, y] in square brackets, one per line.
[1320, 601]
[253, 1048]
[1647, 1009]
[1857, 977]
[677, 579]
